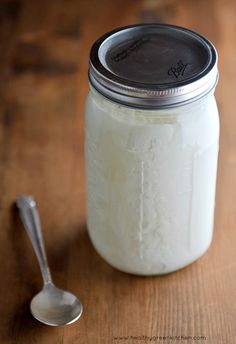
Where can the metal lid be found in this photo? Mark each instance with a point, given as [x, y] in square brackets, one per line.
[153, 65]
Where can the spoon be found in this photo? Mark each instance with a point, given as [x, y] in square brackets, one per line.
[52, 306]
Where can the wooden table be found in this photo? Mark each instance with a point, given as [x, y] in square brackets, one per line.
[43, 85]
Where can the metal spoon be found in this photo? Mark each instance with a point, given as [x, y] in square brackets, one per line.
[52, 306]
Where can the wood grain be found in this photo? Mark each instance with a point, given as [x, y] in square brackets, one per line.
[43, 65]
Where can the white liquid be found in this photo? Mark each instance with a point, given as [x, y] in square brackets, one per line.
[151, 179]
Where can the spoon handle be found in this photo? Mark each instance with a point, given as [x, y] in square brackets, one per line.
[31, 221]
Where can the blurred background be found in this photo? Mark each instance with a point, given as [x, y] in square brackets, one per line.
[44, 53]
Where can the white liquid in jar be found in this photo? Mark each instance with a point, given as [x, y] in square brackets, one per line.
[151, 178]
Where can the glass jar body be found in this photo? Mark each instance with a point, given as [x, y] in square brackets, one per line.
[151, 177]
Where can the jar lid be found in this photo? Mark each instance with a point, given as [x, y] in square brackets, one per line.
[153, 65]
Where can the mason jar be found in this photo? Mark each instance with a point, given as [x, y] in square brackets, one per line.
[152, 133]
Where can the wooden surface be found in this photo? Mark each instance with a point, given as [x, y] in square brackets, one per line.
[44, 48]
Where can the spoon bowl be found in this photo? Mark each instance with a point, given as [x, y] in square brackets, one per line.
[55, 307]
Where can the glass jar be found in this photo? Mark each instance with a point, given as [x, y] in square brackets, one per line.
[151, 149]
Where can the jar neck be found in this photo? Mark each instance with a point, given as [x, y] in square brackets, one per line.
[186, 105]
